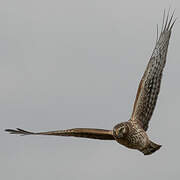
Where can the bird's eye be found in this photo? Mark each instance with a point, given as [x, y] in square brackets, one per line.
[124, 130]
[121, 132]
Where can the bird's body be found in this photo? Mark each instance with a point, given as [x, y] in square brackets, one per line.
[131, 133]
[134, 137]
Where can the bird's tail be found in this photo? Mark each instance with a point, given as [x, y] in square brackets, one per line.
[151, 148]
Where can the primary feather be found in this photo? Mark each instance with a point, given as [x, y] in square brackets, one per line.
[149, 86]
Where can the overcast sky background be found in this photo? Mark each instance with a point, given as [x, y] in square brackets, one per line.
[77, 63]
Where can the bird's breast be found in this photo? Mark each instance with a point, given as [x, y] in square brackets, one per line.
[135, 139]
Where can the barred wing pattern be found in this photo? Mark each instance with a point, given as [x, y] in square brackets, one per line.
[132, 133]
[149, 86]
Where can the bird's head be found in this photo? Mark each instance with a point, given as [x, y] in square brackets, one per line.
[120, 130]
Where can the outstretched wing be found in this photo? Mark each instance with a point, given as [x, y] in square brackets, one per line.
[149, 86]
[77, 132]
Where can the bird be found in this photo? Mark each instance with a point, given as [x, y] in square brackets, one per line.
[132, 133]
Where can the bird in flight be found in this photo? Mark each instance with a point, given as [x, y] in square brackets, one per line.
[131, 133]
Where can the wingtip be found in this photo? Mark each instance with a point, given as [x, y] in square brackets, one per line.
[169, 23]
[11, 131]
[18, 131]
[173, 24]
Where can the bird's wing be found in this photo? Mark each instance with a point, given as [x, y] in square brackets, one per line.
[149, 86]
[77, 132]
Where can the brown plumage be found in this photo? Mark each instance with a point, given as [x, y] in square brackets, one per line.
[132, 133]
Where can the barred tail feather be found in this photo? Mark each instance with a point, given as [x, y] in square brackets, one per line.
[151, 148]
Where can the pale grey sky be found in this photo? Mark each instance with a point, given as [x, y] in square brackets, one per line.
[76, 63]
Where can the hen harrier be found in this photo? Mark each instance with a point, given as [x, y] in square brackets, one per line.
[131, 133]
